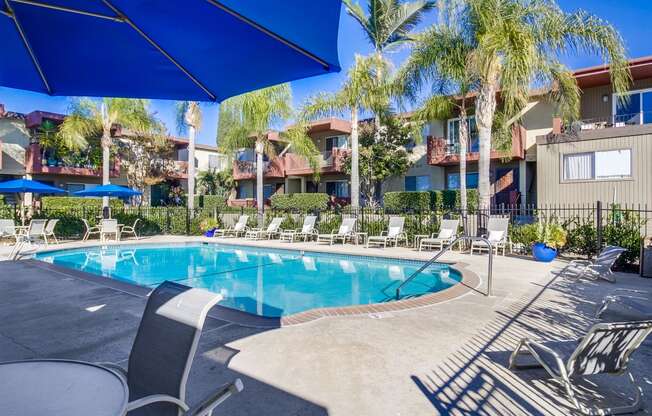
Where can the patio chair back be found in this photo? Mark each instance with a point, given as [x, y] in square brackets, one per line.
[609, 255]
[49, 228]
[109, 226]
[347, 226]
[166, 343]
[274, 225]
[606, 348]
[7, 227]
[395, 227]
[497, 229]
[308, 223]
[242, 223]
[36, 228]
[448, 228]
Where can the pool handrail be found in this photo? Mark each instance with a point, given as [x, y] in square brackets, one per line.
[441, 253]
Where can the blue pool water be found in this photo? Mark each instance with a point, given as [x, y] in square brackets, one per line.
[264, 282]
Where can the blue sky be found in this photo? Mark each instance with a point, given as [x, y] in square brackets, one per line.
[631, 17]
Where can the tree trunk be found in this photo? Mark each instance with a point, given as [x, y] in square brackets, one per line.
[379, 78]
[260, 202]
[355, 156]
[484, 116]
[191, 169]
[464, 140]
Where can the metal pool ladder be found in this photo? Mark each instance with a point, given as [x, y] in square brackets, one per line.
[444, 250]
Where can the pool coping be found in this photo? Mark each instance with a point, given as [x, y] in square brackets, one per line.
[469, 283]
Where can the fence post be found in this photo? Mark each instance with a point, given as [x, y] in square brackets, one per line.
[598, 221]
[187, 220]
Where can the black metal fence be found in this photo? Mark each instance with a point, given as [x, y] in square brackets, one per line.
[589, 226]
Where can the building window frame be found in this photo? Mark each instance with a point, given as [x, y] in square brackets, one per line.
[639, 92]
[594, 175]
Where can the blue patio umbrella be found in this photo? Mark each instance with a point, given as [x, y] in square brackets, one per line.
[109, 190]
[19, 186]
[201, 50]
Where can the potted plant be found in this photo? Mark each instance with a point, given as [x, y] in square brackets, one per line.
[550, 238]
[208, 226]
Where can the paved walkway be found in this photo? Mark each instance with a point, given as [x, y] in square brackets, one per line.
[448, 358]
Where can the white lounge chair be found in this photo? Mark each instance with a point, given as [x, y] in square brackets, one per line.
[446, 235]
[48, 232]
[273, 229]
[90, 230]
[109, 227]
[600, 268]
[307, 231]
[8, 229]
[130, 229]
[240, 228]
[34, 232]
[632, 304]
[346, 231]
[497, 234]
[605, 349]
[394, 234]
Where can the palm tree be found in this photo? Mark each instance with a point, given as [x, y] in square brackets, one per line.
[245, 122]
[92, 118]
[361, 92]
[511, 45]
[387, 25]
[189, 117]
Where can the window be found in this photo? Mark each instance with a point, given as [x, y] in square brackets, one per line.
[245, 190]
[637, 109]
[610, 164]
[417, 183]
[75, 187]
[453, 180]
[453, 135]
[337, 142]
[268, 191]
[215, 162]
[339, 189]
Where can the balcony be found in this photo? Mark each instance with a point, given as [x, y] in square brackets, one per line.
[174, 169]
[329, 162]
[34, 165]
[621, 125]
[243, 170]
[442, 153]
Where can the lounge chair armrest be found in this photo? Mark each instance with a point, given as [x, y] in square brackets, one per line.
[211, 402]
[114, 367]
[156, 398]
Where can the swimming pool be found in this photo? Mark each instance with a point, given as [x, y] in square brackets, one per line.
[265, 282]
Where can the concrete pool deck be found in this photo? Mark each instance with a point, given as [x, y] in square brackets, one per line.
[448, 358]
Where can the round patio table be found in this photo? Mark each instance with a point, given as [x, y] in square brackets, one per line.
[60, 388]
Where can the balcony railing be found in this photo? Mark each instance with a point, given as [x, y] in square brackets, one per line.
[600, 123]
[247, 170]
[329, 162]
[441, 152]
[36, 164]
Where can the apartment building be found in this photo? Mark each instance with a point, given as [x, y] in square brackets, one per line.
[290, 173]
[23, 156]
[607, 155]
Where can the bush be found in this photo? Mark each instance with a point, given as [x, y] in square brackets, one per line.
[210, 202]
[582, 236]
[300, 201]
[403, 201]
[2, 200]
[77, 203]
[623, 229]
[451, 198]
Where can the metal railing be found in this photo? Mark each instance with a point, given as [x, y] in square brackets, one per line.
[444, 250]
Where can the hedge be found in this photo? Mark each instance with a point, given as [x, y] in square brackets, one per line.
[300, 201]
[210, 201]
[428, 200]
[2, 199]
[81, 203]
[401, 201]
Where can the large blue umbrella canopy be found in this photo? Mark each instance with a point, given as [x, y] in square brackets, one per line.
[203, 50]
[109, 190]
[17, 186]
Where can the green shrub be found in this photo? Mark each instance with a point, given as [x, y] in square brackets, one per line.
[582, 236]
[210, 202]
[524, 234]
[403, 201]
[2, 200]
[300, 202]
[77, 203]
[623, 229]
[451, 198]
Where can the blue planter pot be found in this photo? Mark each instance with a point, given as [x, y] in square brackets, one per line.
[210, 233]
[543, 253]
